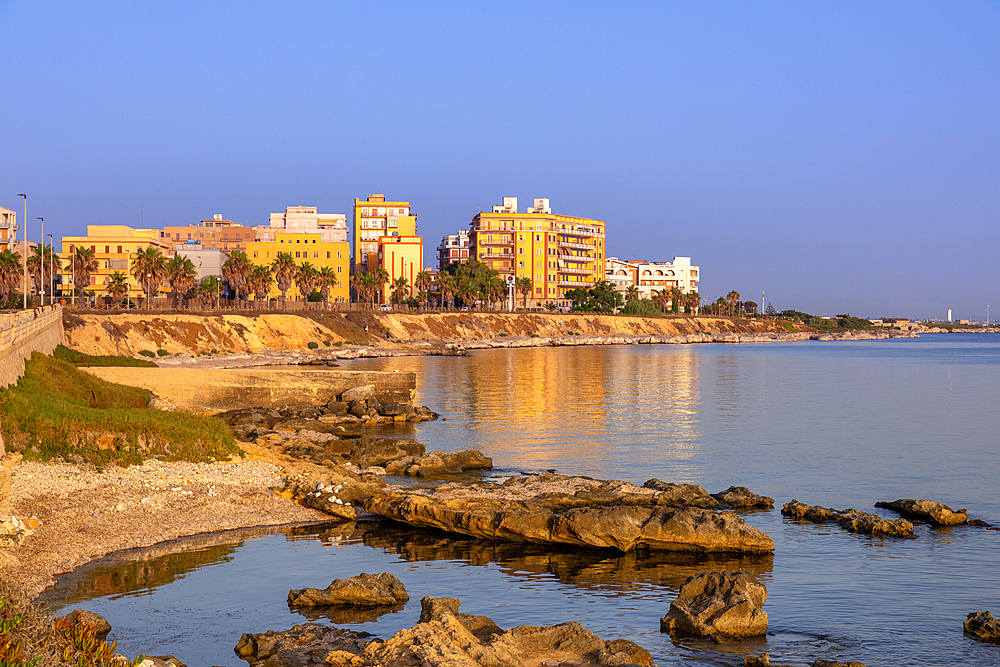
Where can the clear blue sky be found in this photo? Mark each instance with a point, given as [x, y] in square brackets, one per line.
[841, 156]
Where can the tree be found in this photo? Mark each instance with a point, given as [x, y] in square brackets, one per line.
[149, 268]
[260, 282]
[495, 289]
[379, 277]
[283, 267]
[601, 298]
[423, 281]
[118, 286]
[39, 263]
[631, 294]
[306, 278]
[208, 290]
[327, 280]
[237, 270]
[446, 285]
[10, 274]
[676, 296]
[523, 286]
[693, 301]
[733, 298]
[82, 264]
[400, 289]
[661, 298]
[181, 276]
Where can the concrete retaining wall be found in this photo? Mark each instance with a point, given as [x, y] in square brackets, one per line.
[227, 389]
[24, 332]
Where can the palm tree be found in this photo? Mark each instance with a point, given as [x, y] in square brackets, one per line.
[423, 281]
[284, 270]
[118, 287]
[495, 289]
[661, 298]
[181, 275]
[260, 282]
[358, 285]
[150, 268]
[693, 301]
[400, 287]
[676, 296]
[236, 270]
[82, 264]
[327, 280]
[523, 286]
[631, 294]
[733, 298]
[39, 261]
[10, 274]
[306, 279]
[208, 290]
[379, 278]
[446, 285]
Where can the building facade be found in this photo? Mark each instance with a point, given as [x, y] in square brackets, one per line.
[113, 247]
[400, 256]
[375, 218]
[557, 252]
[207, 262]
[214, 234]
[651, 277]
[8, 227]
[305, 246]
[453, 248]
[332, 227]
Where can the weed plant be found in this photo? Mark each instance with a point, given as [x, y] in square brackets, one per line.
[80, 359]
[56, 410]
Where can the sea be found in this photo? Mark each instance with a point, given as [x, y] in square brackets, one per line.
[837, 424]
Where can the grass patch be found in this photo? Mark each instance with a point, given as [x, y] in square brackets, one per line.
[80, 359]
[148, 353]
[56, 410]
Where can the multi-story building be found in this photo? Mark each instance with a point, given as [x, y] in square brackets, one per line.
[305, 246]
[400, 256]
[8, 227]
[217, 234]
[557, 252]
[453, 248]
[113, 247]
[207, 262]
[375, 218]
[332, 227]
[650, 277]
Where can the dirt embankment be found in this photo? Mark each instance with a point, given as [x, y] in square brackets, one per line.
[129, 333]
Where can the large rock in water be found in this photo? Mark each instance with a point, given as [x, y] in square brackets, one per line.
[365, 590]
[710, 604]
[927, 510]
[305, 644]
[439, 463]
[983, 625]
[854, 521]
[547, 520]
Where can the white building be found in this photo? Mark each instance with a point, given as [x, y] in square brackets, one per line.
[207, 261]
[453, 248]
[8, 227]
[650, 277]
[306, 219]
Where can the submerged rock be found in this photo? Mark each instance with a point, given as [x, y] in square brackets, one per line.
[740, 497]
[712, 604]
[927, 510]
[983, 625]
[852, 520]
[439, 463]
[366, 590]
[305, 644]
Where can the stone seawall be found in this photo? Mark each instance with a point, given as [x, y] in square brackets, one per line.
[219, 390]
[26, 331]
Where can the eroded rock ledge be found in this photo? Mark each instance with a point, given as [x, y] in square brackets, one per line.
[930, 511]
[851, 520]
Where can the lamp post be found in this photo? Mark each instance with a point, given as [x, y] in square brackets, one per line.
[52, 275]
[41, 263]
[24, 258]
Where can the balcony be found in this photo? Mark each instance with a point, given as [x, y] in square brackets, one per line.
[117, 264]
[590, 233]
[496, 255]
[574, 244]
[576, 258]
[575, 270]
[576, 283]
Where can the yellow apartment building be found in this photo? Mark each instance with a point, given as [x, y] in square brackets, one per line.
[113, 247]
[375, 218]
[215, 234]
[557, 252]
[306, 247]
[400, 256]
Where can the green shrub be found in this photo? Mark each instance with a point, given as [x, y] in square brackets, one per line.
[313, 345]
[162, 353]
[338, 343]
[214, 351]
[80, 359]
[327, 343]
[147, 353]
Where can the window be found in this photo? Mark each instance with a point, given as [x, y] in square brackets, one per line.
[315, 253]
[119, 250]
[296, 253]
[328, 254]
[340, 269]
[339, 254]
[93, 249]
[255, 254]
[520, 251]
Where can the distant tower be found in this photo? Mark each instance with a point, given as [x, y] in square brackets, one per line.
[949, 314]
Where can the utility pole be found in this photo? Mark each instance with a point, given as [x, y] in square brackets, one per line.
[41, 262]
[24, 257]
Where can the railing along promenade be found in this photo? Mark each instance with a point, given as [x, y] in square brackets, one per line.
[23, 332]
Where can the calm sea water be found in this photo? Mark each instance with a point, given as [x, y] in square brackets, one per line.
[835, 424]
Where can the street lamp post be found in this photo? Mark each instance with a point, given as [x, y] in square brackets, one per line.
[41, 264]
[24, 258]
[52, 275]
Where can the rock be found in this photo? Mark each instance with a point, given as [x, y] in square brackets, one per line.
[366, 590]
[337, 408]
[852, 520]
[164, 661]
[393, 409]
[741, 497]
[310, 413]
[834, 663]
[357, 408]
[89, 618]
[762, 660]
[710, 604]
[684, 495]
[927, 510]
[493, 514]
[983, 625]
[302, 645]
[362, 393]
[439, 463]
[380, 451]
